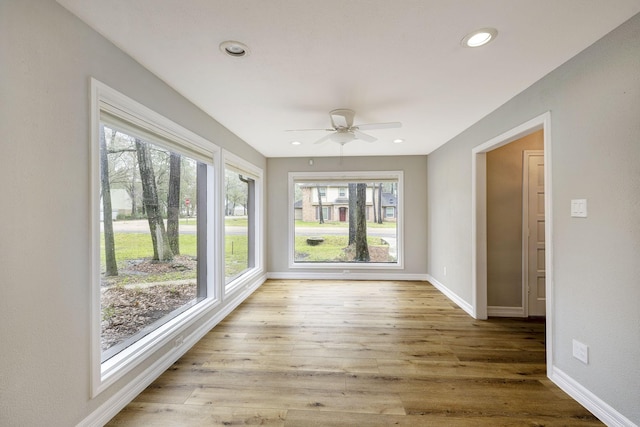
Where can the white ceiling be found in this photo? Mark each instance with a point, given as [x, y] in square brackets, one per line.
[389, 60]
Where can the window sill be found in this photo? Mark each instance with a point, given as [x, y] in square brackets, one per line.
[342, 266]
[245, 279]
[117, 366]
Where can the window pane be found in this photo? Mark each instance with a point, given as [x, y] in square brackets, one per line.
[338, 222]
[239, 224]
[150, 226]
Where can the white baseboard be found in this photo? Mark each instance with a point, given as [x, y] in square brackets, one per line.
[593, 403]
[126, 394]
[353, 275]
[497, 311]
[451, 295]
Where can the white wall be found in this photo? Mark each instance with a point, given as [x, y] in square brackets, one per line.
[415, 209]
[47, 57]
[594, 101]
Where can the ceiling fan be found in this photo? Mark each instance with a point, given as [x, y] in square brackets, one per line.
[343, 130]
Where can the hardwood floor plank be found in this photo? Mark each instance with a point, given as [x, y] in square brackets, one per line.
[254, 378]
[296, 418]
[301, 398]
[298, 363]
[368, 353]
[460, 369]
[164, 415]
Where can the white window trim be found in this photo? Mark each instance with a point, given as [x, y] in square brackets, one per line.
[257, 174]
[362, 176]
[107, 99]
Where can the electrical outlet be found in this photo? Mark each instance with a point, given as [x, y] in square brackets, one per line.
[581, 352]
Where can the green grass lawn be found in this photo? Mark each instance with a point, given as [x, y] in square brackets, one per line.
[138, 245]
[342, 224]
[135, 246]
[229, 221]
[332, 249]
[236, 255]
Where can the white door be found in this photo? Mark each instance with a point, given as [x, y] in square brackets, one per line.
[534, 244]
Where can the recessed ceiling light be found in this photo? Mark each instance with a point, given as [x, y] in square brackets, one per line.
[398, 141]
[479, 37]
[296, 142]
[233, 48]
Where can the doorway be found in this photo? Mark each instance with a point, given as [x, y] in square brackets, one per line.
[479, 221]
[515, 248]
[343, 214]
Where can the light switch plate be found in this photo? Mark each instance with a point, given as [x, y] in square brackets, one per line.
[579, 208]
[581, 352]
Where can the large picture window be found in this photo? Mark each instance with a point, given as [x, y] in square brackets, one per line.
[239, 219]
[242, 182]
[349, 220]
[150, 227]
[153, 204]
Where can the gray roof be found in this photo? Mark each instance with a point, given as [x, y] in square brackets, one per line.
[389, 199]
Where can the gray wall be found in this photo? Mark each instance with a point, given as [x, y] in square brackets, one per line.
[594, 101]
[504, 220]
[47, 58]
[415, 205]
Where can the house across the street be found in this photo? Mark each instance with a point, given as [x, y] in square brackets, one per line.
[335, 203]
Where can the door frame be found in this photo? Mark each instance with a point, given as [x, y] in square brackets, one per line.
[479, 220]
[525, 226]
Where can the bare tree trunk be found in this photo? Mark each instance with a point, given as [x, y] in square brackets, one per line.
[362, 248]
[109, 243]
[373, 203]
[133, 194]
[379, 203]
[352, 213]
[173, 203]
[320, 205]
[161, 248]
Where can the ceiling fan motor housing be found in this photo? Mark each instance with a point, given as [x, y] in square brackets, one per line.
[342, 118]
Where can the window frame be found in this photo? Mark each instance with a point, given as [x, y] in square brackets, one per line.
[170, 135]
[249, 275]
[353, 176]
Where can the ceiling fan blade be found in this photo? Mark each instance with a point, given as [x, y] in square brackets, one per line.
[363, 136]
[371, 126]
[305, 130]
[324, 138]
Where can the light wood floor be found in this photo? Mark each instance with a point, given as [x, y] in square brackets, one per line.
[330, 353]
